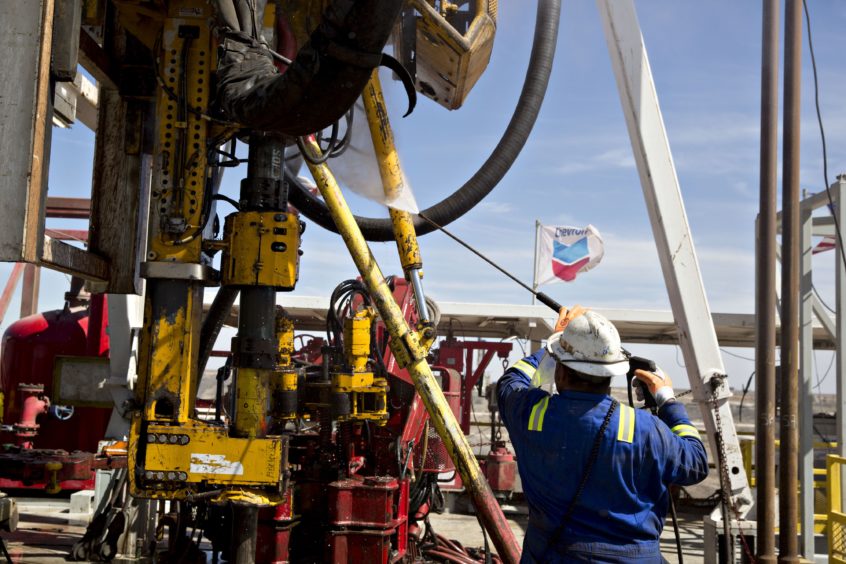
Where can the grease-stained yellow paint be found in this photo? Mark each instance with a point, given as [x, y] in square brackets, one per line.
[209, 457]
[262, 249]
[252, 400]
[390, 170]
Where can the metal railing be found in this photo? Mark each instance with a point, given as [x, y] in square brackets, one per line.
[836, 517]
[821, 480]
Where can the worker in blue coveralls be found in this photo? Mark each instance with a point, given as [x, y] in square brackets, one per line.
[596, 473]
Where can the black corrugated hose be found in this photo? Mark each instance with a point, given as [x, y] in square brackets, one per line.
[320, 85]
[493, 169]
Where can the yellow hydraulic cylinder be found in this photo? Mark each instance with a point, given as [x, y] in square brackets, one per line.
[283, 381]
[392, 182]
[252, 398]
[357, 339]
[410, 355]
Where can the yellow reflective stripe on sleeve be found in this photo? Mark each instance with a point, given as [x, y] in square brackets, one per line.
[536, 417]
[685, 430]
[626, 424]
[542, 413]
[525, 368]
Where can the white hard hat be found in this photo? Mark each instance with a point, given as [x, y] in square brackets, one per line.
[590, 344]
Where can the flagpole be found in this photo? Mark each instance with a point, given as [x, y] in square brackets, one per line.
[535, 264]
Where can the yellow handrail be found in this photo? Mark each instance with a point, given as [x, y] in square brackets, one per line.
[836, 517]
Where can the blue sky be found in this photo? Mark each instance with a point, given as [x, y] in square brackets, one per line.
[577, 167]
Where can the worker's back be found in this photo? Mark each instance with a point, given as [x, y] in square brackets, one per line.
[620, 513]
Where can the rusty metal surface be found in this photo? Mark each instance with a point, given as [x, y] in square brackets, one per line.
[765, 305]
[790, 256]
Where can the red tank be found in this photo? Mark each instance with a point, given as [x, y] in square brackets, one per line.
[29, 348]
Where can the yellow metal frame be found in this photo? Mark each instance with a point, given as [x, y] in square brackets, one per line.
[179, 458]
[836, 517]
[171, 454]
[747, 452]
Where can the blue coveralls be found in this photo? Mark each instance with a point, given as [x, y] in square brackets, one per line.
[620, 514]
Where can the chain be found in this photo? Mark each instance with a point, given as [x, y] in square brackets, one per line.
[725, 481]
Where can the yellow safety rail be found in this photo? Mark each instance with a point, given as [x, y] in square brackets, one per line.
[747, 451]
[836, 517]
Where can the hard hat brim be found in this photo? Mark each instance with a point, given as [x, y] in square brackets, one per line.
[600, 368]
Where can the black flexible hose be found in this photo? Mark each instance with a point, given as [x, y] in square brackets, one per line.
[216, 316]
[493, 169]
[324, 80]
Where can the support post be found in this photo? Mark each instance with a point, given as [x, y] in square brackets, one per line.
[406, 347]
[839, 191]
[26, 94]
[765, 292]
[9, 289]
[535, 263]
[29, 290]
[806, 377]
[674, 240]
[790, 239]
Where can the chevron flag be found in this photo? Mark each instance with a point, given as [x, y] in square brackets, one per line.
[564, 252]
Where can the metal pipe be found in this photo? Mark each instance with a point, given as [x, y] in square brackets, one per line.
[765, 301]
[415, 275]
[790, 256]
[244, 527]
[256, 343]
[410, 355]
[213, 323]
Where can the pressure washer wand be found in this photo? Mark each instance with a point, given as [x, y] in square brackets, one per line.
[542, 298]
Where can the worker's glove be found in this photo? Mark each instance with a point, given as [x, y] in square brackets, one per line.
[566, 315]
[657, 384]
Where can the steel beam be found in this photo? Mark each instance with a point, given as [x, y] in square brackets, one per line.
[673, 238]
[26, 30]
[9, 289]
[68, 208]
[839, 192]
[806, 386]
[29, 290]
[73, 260]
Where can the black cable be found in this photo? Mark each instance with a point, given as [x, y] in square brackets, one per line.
[235, 203]
[676, 529]
[488, 559]
[822, 133]
[735, 355]
[743, 396]
[344, 143]
[819, 297]
[827, 372]
[543, 298]
[5, 550]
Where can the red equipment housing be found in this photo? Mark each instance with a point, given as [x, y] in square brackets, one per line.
[29, 350]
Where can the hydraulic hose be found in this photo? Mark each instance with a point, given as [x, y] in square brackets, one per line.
[320, 85]
[493, 169]
[212, 324]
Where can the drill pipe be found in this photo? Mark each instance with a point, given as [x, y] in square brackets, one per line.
[790, 256]
[410, 355]
[765, 305]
